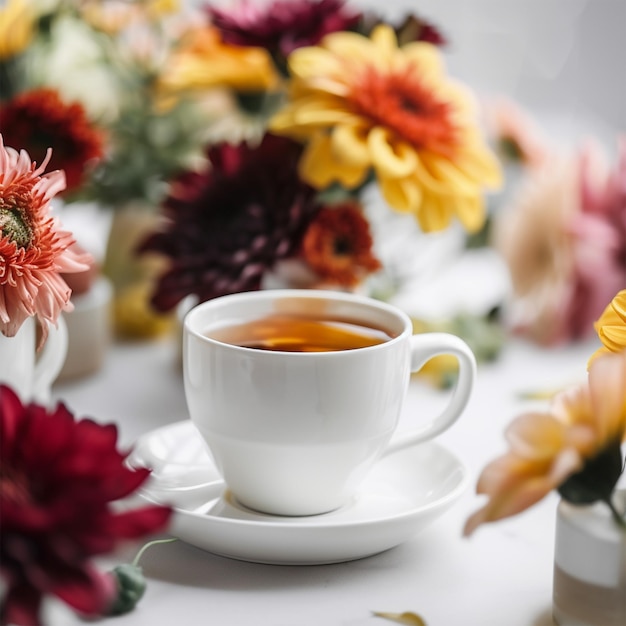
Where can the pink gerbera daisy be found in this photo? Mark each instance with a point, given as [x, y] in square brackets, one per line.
[34, 249]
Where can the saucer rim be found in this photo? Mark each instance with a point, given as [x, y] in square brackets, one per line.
[317, 522]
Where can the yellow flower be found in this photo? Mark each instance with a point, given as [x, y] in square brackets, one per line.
[367, 105]
[203, 61]
[581, 433]
[611, 326]
[16, 27]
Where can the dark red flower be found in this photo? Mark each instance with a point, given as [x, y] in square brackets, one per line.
[283, 25]
[58, 478]
[412, 28]
[39, 119]
[230, 224]
[338, 245]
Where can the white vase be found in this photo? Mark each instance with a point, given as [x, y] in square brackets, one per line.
[30, 373]
[590, 565]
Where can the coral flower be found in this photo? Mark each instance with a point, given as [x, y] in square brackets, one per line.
[230, 224]
[203, 61]
[58, 479]
[283, 25]
[365, 104]
[34, 250]
[611, 326]
[337, 245]
[38, 119]
[575, 448]
[17, 21]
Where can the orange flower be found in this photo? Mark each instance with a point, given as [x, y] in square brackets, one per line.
[34, 250]
[337, 245]
[574, 448]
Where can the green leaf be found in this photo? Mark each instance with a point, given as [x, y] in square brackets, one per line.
[131, 586]
[410, 619]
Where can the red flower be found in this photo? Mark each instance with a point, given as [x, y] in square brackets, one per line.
[58, 478]
[230, 224]
[283, 25]
[37, 120]
[338, 245]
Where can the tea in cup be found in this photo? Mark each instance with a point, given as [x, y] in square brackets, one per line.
[297, 393]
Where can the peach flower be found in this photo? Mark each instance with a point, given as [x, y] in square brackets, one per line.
[574, 448]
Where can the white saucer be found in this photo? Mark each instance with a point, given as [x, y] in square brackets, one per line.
[404, 493]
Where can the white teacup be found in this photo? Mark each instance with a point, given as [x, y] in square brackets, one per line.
[28, 372]
[295, 433]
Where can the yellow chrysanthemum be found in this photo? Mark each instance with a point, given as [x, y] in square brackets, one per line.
[16, 27]
[365, 104]
[203, 61]
[611, 326]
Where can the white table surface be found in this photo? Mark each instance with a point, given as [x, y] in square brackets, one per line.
[501, 576]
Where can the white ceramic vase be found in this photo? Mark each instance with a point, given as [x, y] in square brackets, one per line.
[31, 373]
[590, 565]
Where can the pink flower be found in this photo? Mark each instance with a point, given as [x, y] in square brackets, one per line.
[34, 249]
[564, 240]
[58, 478]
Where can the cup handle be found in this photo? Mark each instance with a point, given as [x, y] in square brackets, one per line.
[423, 348]
[50, 361]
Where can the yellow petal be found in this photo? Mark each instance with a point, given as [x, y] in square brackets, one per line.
[425, 57]
[392, 159]
[349, 143]
[351, 46]
[313, 61]
[607, 385]
[407, 618]
[471, 212]
[536, 435]
[319, 166]
[435, 213]
[403, 195]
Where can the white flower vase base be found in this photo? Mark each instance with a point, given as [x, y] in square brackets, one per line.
[590, 565]
[31, 373]
[89, 328]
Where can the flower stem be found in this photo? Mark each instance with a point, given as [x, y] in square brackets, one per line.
[148, 545]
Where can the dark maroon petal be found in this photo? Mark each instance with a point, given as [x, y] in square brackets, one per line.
[147, 520]
[86, 590]
[11, 411]
[21, 605]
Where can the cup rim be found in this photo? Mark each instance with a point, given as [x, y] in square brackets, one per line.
[310, 294]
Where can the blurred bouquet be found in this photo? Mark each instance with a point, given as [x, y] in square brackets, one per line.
[320, 103]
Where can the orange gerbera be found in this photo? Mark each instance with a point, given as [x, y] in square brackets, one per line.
[574, 448]
[368, 105]
[34, 250]
[337, 245]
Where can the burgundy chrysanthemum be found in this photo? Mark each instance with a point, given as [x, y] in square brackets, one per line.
[39, 119]
[230, 224]
[283, 25]
[58, 478]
